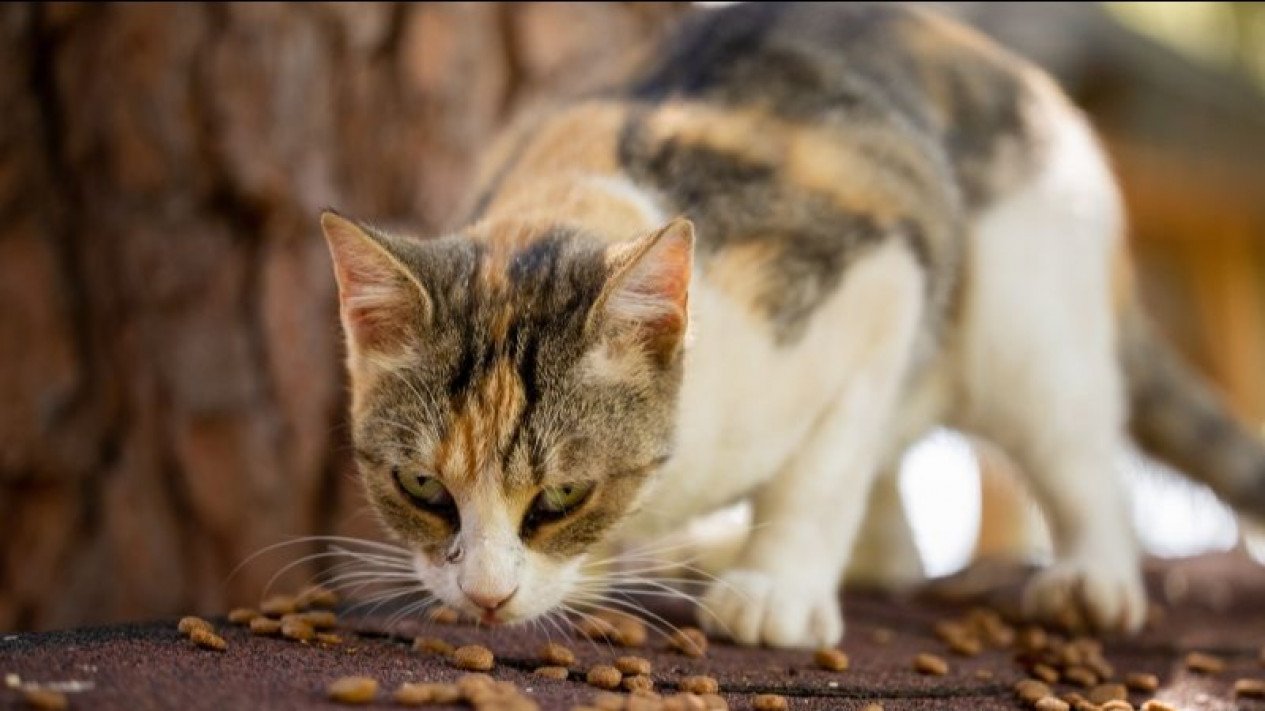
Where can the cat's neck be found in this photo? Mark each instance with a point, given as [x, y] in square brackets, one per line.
[608, 206]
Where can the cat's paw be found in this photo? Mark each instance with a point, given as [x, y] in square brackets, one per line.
[1111, 597]
[751, 607]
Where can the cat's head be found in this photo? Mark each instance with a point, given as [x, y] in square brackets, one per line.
[513, 390]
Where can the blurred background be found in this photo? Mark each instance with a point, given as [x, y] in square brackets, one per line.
[171, 391]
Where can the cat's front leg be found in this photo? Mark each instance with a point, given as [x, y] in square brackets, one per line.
[783, 591]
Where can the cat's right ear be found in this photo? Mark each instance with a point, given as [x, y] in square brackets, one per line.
[380, 300]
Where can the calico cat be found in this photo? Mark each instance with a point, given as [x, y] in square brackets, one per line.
[799, 239]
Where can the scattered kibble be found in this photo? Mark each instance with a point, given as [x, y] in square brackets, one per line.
[328, 639]
[1045, 673]
[279, 605]
[187, 625]
[1116, 705]
[46, 699]
[206, 639]
[434, 645]
[1032, 639]
[1251, 688]
[770, 702]
[930, 664]
[637, 682]
[715, 702]
[1204, 663]
[684, 701]
[604, 677]
[597, 628]
[265, 627]
[872, 707]
[1080, 676]
[295, 628]
[473, 657]
[699, 685]
[1142, 682]
[444, 615]
[317, 596]
[633, 665]
[689, 641]
[319, 619]
[965, 646]
[557, 655]
[1157, 705]
[1050, 703]
[353, 690]
[425, 694]
[831, 659]
[1031, 690]
[242, 615]
[630, 632]
[983, 674]
[555, 673]
[611, 702]
[1103, 693]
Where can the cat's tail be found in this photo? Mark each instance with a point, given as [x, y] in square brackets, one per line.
[1177, 418]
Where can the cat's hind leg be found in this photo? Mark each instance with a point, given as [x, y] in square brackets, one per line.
[886, 556]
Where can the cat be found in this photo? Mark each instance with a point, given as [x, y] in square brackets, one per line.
[801, 237]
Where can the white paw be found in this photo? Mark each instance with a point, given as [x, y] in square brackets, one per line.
[755, 608]
[1110, 596]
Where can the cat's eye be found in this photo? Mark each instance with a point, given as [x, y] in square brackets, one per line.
[425, 491]
[556, 501]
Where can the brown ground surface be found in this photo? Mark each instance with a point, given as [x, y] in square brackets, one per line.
[1214, 604]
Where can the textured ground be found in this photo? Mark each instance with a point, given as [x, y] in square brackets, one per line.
[1212, 604]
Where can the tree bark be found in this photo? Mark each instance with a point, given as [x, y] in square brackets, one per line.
[171, 390]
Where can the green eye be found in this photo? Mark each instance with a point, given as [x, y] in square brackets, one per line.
[423, 490]
[559, 500]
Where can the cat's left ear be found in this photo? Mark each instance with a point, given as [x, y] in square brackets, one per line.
[648, 286]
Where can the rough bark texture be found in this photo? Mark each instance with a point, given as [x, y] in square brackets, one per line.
[171, 393]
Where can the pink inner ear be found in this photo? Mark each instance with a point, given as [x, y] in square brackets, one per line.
[374, 294]
[653, 290]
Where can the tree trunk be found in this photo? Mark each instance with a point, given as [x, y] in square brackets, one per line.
[171, 391]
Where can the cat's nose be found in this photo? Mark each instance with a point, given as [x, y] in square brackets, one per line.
[489, 601]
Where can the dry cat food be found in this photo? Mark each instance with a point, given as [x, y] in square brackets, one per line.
[638, 682]
[473, 657]
[1251, 688]
[1031, 690]
[1032, 639]
[295, 628]
[689, 641]
[328, 639]
[629, 631]
[930, 664]
[831, 659]
[319, 619]
[633, 665]
[557, 655]
[699, 685]
[423, 694]
[187, 625]
[242, 615]
[1142, 682]
[265, 627]
[770, 702]
[597, 628]
[1080, 676]
[434, 645]
[965, 646]
[1204, 663]
[555, 673]
[1157, 705]
[611, 702]
[45, 699]
[279, 605]
[207, 639]
[983, 674]
[353, 690]
[716, 702]
[1049, 703]
[317, 596]
[1116, 705]
[683, 702]
[1103, 693]
[872, 707]
[1045, 673]
[444, 615]
[604, 677]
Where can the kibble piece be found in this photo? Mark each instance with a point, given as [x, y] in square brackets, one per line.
[770, 702]
[699, 685]
[317, 596]
[1142, 682]
[295, 628]
[1080, 676]
[633, 665]
[1031, 690]
[242, 615]
[1075, 699]
[320, 619]
[444, 615]
[328, 639]
[1252, 688]
[872, 707]
[604, 677]
[353, 690]
[1049, 703]
[207, 639]
[413, 694]
[965, 646]
[279, 605]
[715, 702]
[1204, 663]
[1157, 705]
[1032, 639]
[630, 632]
[265, 627]
[883, 635]
[1116, 705]
[1101, 667]
[555, 673]
[444, 693]
[643, 701]
[1103, 693]
[1045, 673]
[689, 641]
[684, 701]
[187, 625]
[930, 664]
[473, 657]
[46, 699]
[983, 674]
[610, 702]
[434, 645]
[597, 628]
[557, 655]
[831, 659]
[638, 682]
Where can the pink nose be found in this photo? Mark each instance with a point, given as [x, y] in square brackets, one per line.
[492, 602]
